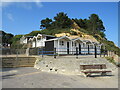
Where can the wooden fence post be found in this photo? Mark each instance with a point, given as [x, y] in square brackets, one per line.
[95, 52]
[104, 53]
[79, 49]
[100, 52]
[107, 53]
[42, 51]
[16, 58]
[38, 51]
[88, 50]
[77, 52]
[54, 52]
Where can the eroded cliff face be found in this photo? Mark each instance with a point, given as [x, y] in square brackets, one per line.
[62, 34]
[78, 34]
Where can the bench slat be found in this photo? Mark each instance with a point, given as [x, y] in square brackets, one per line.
[100, 66]
[95, 71]
[96, 68]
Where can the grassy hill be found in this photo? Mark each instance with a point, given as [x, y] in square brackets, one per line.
[92, 28]
[81, 33]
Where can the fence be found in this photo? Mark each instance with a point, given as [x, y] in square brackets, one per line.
[18, 52]
[8, 51]
[67, 51]
[55, 51]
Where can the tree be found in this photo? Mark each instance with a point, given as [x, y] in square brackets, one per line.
[100, 26]
[95, 24]
[6, 38]
[102, 34]
[45, 23]
[62, 21]
[81, 23]
[16, 38]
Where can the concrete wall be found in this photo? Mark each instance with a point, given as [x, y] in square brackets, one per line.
[8, 62]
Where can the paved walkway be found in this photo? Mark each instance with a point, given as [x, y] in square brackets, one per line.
[33, 78]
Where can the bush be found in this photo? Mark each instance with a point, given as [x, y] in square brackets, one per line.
[55, 31]
[16, 45]
[33, 33]
[111, 60]
[118, 64]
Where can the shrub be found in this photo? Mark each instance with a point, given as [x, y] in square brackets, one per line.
[111, 60]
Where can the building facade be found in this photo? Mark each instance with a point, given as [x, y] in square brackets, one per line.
[64, 44]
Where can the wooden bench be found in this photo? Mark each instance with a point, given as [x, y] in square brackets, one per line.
[94, 68]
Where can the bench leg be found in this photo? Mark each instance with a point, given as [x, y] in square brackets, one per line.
[103, 73]
[87, 74]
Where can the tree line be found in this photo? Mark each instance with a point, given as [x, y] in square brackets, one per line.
[93, 25]
[6, 38]
[9, 39]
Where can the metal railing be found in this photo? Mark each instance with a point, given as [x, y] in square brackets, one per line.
[69, 51]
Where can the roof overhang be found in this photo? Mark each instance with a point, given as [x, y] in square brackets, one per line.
[34, 38]
[30, 39]
[87, 41]
[77, 40]
[39, 36]
[60, 38]
[64, 38]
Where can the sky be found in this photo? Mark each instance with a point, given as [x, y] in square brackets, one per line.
[24, 17]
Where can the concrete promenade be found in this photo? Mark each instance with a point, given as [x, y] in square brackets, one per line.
[32, 78]
[29, 77]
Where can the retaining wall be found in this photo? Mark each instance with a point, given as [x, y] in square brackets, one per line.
[8, 62]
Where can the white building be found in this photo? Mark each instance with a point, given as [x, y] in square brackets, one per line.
[24, 39]
[64, 44]
[39, 40]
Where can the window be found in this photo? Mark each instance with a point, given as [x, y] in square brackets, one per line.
[91, 46]
[75, 44]
[38, 38]
[72, 44]
[99, 47]
[83, 44]
[62, 43]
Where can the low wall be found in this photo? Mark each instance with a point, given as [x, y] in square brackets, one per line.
[8, 62]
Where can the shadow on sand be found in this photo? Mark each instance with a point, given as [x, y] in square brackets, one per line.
[101, 75]
[8, 76]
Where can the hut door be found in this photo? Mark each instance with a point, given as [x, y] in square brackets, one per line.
[67, 47]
